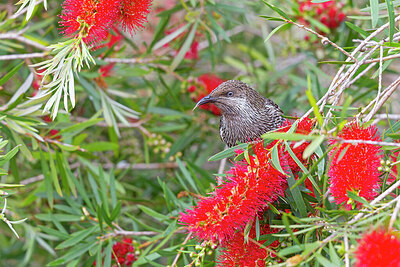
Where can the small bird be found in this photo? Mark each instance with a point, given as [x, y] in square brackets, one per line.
[245, 114]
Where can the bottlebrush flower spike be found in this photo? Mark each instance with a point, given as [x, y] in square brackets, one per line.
[304, 126]
[239, 252]
[378, 248]
[250, 187]
[133, 14]
[89, 18]
[357, 170]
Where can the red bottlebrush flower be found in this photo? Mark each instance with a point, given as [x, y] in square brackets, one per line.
[357, 170]
[90, 18]
[133, 14]
[250, 187]
[210, 81]
[378, 248]
[304, 126]
[202, 87]
[106, 70]
[327, 13]
[238, 252]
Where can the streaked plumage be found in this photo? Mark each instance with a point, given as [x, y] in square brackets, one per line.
[246, 114]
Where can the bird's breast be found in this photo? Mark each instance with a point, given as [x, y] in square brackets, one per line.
[247, 127]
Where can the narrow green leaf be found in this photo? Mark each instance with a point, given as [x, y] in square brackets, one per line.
[277, 10]
[106, 216]
[374, 12]
[312, 101]
[168, 38]
[153, 213]
[358, 198]
[187, 175]
[310, 149]
[76, 128]
[280, 28]
[275, 159]
[324, 261]
[362, 32]
[5, 158]
[6, 77]
[100, 217]
[227, 153]
[333, 255]
[80, 188]
[103, 190]
[390, 10]
[53, 173]
[54, 232]
[108, 253]
[286, 222]
[58, 216]
[298, 198]
[288, 136]
[99, 146]
[115, 211]
[76, 237]
[73, 253]
[47, 179]
[185, 47]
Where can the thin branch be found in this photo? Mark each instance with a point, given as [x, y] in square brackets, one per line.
[383, 207]
[18, 37]
[324, 39]
[380, 117]
[376, 99]
[221, 168]
[346, 251]
[119, 125]
[390, 90]
[383, 59]
[181, 249]
[375, 201]
[23, 56]
[368, 142]
[394, 215]
[375, 108]
[129, 60]
[129, 233]
[56, 142]
[339, 78]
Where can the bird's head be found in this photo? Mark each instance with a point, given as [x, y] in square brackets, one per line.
[232, 97]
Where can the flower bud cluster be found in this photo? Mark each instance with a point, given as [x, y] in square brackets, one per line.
[161, 145]
[206, 248]
[385, 166]
[124, 252]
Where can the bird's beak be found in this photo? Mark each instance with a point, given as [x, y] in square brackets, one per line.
[205, 100]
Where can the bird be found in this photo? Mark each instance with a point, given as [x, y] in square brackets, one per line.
[245, 113]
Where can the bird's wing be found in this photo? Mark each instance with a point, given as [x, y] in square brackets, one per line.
[269, 102]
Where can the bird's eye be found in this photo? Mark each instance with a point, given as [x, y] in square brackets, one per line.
[230, 93]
